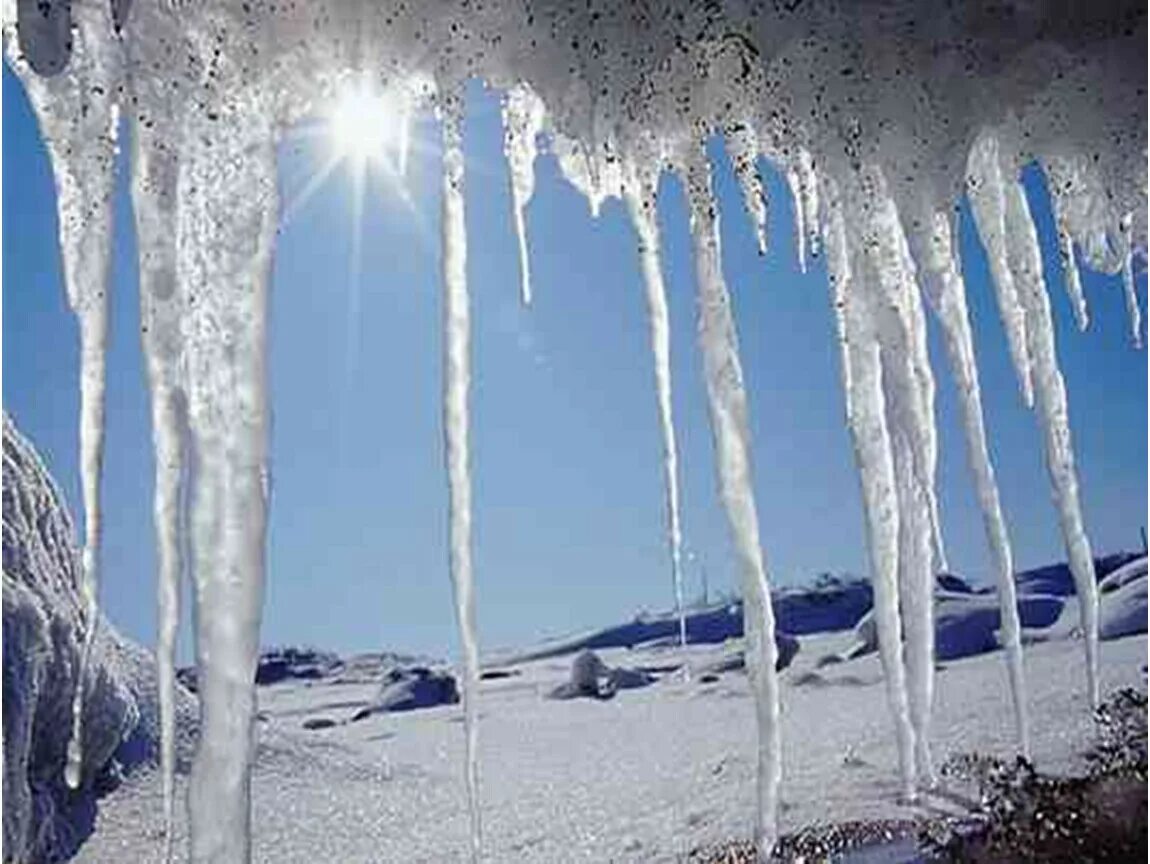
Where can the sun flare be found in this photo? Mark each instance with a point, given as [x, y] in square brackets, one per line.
[362, 124]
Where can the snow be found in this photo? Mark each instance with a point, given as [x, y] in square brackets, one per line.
[873, 111]
[645, 776]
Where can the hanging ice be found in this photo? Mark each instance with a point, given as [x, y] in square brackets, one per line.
[830, 91]
[456, 384]
[522, 122]
[641, 202]
[866, 409]
[1025, 266]
[730, 429]
[946, 291]
[743, 145]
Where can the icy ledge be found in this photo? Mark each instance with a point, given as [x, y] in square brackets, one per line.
[879, 114]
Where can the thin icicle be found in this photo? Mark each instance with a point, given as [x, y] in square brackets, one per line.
[1132, 310]
[1025, 263]
[154, 179]
[78, 120]
[866, 419]
[1071, 277]
[794, 184]
[226, 227]
[640, 197]
[986, 188]
[522, 122]
[457, 382]
[727, 401]
[743, 147]
[946, 292]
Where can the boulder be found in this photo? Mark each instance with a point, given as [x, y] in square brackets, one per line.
[44, 627]
[409, 689]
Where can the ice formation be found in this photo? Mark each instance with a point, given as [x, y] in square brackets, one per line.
[878, 113]
[640, 195]
[457, 383]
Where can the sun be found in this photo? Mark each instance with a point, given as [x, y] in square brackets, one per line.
[362, 124]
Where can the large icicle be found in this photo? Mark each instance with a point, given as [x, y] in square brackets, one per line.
[641, 202]
[908, 388]
[226, 227]
[457, 382]
[987, 194]
[730, 428]
[946, 291]
[523, 117]
[154, 177]
[1025, 265]
[866, 418]
[78, 118]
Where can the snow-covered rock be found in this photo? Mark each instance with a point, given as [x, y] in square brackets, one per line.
[591, 677]
[408, 689]
[1123, 610]
[1056, 579]
[1136, 569]
[44, 629]
[966, 624]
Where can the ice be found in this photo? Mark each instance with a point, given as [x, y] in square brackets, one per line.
[641, 203]
[1053, 415]
[866, 419]
[225, 229]
[730, 429]
[946, 291]
[924, 95]
[154, 181]
[457, 382]
[523, 118]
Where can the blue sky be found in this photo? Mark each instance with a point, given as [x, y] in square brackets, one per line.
[566, 449]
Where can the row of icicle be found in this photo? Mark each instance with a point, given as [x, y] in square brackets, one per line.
[879, 271]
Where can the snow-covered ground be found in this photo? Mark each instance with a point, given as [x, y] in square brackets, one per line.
[645, 776]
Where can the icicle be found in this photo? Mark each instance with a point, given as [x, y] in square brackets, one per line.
[640, 196]
[946, 292]
[743, 146]
[794, 184]
[908, 388]
[1025, 264]
[154, 177]
[226, 227]
[730, 429]
[457, 381]
[522, 122]
[78, 120]
[866, 418]
[1132, 310]
[986, 187]
[809, 198]
[1072, 278]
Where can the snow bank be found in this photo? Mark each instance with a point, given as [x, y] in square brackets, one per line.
[44, 632]
[1123, 610]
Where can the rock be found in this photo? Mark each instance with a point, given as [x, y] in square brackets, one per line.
[1057, 580]
[1122, 611]
[409, 689]
[1136, 569]
[591, 677]
[319, 723]
[43, 630]
[965, 624]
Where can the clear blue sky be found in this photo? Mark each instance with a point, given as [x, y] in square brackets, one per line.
[566, 452]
